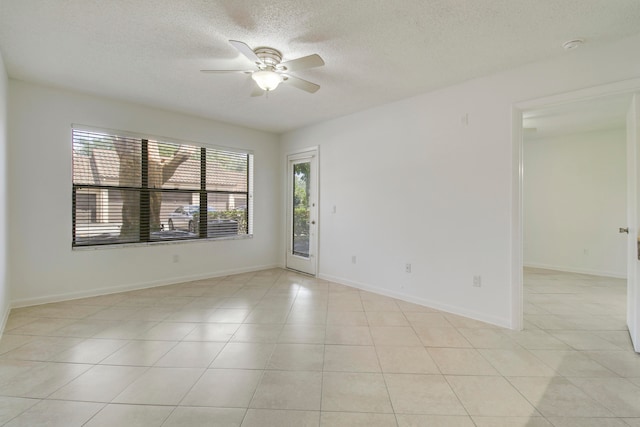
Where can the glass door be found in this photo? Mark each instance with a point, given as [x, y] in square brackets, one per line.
[302, 210]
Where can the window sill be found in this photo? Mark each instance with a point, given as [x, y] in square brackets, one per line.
[160, 243]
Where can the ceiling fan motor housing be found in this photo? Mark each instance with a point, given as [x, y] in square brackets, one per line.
[269, 56]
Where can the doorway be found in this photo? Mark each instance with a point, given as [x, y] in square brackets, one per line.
[574, 202]
[302, 211]
[574, 187]
[627, 88]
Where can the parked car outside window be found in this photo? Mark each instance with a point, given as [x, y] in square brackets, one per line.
[183, 218]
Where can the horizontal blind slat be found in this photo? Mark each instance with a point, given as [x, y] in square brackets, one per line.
[101, 159]
[226, 171]
[174, 166]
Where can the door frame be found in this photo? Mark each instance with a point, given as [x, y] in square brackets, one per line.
[633, 297]
[517, 260]
[315, 189]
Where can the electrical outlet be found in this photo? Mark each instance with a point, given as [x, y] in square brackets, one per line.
[353, 259]
[477, 281]
[407, 268]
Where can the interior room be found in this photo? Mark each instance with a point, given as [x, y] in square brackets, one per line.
[575, 197]
[338, 214]
[575, 162]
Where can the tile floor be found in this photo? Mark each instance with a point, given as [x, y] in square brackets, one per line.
[274, 348]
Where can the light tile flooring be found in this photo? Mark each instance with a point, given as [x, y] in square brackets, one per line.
[274, 348]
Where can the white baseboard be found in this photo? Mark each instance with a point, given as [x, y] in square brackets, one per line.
[590, 272]
[26, 302]
[494, 320]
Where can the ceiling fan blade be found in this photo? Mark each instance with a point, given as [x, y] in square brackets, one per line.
[244, 49]
[227, 71]
[301, 63]
[301, 83]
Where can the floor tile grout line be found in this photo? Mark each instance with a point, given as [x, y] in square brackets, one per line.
[535, 406]
[97, 412]
[258, 383]
[324, 353]
[386, 385]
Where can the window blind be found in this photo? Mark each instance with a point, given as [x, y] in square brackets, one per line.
[128, 190]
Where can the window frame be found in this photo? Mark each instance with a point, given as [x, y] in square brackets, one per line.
[144, 191]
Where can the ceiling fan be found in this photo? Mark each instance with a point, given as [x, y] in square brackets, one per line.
[271, 71]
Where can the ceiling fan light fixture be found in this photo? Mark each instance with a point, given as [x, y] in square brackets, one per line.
[267, 80]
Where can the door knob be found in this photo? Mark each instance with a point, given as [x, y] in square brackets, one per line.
[313, 222]
[623, 230]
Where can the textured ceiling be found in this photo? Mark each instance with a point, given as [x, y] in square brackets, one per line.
[376, 51]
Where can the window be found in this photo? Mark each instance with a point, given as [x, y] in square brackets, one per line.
[128, 190]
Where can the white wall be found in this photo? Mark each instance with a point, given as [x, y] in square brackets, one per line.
[43, 265]
[575, 201]
[4, 265]
[412, 183]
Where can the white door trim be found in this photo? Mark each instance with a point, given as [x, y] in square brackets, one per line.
[617, 88]
[308, 152]
[633, 163]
